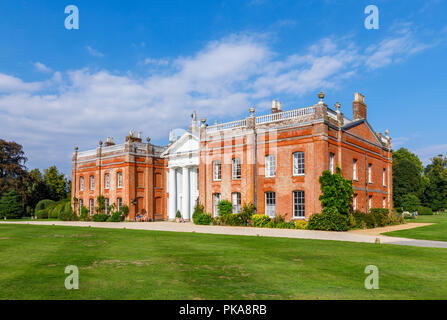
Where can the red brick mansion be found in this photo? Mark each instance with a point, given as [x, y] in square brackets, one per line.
[273, 161]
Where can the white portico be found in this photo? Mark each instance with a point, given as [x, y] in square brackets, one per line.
[183, 176]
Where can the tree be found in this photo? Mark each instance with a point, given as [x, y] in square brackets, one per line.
[407, 176]
[11, 205]
[410, 202]
[13, 174]
[337, 192]
[101, 201]
[37, 189]
[435, 195]
[57, 183]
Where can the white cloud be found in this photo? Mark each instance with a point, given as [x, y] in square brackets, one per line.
[158, 62]
[95, 53]
[41, 67]
[221, 80]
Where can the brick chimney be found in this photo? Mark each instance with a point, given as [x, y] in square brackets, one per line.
[358, 107]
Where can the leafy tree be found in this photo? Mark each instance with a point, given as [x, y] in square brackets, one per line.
[13, 174]
[37, 189]
[407, 176]
[56, 182]
[336, 191]
[11, 205]
[435, 195]
[101, 208]
[410, 202]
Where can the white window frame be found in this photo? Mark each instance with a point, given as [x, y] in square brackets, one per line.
[270, 204]
[107, 203]
[81, 184]
[119, 178]
[354, 202]
[354, 170]
[331, 162]
[384, 202]
[216, 200]
[107, 181]
[298, 163]
[270, 166]
[370, 202]
[369, 172]
[236, 201]
[119, 203]
[92, 206]
[236, 168]
[299, 204]
[92, 182]
[217, 170]
[384, 177]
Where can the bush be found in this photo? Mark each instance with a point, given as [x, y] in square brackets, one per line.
[284, 225]
[410, 202]
[329, 220]
[247, 212]
[100, 217]
[425, 211]
[84, 214]
[116, 216]
[178, 214]
[42, 214]
[204, 219]
[301, 224]
[231, 219]
[225, 207]
[57, 210]
[43, 204]
[260, 220]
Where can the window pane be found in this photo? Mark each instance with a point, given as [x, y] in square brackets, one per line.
[298, 163]
[298, 204]
[270, 204]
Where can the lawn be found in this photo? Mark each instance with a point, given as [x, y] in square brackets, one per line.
[132, 264]
[437, 231]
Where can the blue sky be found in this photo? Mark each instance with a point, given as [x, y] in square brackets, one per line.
[146, 65]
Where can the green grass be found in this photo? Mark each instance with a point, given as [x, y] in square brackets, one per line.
[437, 231]
[132, 264]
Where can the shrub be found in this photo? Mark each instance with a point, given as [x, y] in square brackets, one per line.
[178, 214]
[278, 219]
[42, 214]
[57, 210]
[381, 216]
[225, 207]
[425, 211]
[301, 224]
[116, 216]
[284, 225]
[260, 220]
[124, 210]
[43, 204]
[329, 220]
[204, 219]
[100, 217]
[247, 212]
[231, 219]
[336, 191]
[84, 214]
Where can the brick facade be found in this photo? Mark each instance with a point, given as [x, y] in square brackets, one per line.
[300, 144]
[142, 171]
[316, 132]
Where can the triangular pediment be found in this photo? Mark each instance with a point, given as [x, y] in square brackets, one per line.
[363, 130]
[187, 143]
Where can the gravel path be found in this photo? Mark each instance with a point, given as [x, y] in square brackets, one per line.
[244, 231]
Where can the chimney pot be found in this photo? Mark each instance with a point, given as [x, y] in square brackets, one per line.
[359, 107]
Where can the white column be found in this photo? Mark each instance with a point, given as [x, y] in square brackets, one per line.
[172, 194]
[185, 195]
